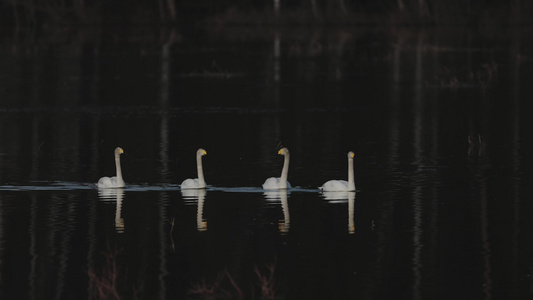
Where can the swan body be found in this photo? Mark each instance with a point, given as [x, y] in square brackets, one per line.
[335, 186]
[191, 183]
[277, 183]
[115, 181]
[110, 182]
[196, 183]
[342, 185]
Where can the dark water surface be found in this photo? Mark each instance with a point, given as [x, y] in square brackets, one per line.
[439, 121]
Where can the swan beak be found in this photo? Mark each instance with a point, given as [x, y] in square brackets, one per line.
[352, 155]
[204, 152]
[280, 152]
[121, 151]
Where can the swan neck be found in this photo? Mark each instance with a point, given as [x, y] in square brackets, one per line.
[119, 169]
[351, 179]
[201, 180]
[285, 170]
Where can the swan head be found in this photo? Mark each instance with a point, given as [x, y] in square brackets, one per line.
[201, 152]
[283, 151]
[118, 151]
[351, 155]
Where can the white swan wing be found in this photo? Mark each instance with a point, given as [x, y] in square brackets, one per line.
[190, 183]
[109, 182]
[271, 183]
[274, 183]
[104, 182]
[335, 186]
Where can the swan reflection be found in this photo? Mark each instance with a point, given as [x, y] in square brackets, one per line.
[336, 197]
[281, 195]
[351, 208]
[197, 194]
[114, 195]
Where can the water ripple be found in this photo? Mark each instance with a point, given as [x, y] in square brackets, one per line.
[65, 186]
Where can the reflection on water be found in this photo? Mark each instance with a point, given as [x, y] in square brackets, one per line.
[48, 186]
[443, 162]
[342, 197]
[281, 195]
[114, 195]
[199, 196]
[351, 208]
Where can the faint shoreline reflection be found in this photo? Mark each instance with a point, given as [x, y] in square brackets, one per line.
[285, 224]
[336, 197]
[114, 195]
[199, 195]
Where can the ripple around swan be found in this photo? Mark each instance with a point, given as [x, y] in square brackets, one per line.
[338, 197]
[260, 190]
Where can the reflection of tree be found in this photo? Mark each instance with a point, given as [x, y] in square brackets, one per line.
[226, 287]
[165, 80]
[50, 249]
[2, 239]
[107, 282]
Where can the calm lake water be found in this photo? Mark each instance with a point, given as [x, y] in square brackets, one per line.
[439, 121]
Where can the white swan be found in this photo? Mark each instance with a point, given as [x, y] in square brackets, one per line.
[115, 181]
[342, 185]
[276, 183]
[196, 183]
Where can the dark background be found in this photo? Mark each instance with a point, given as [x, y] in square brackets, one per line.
[190, 13]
